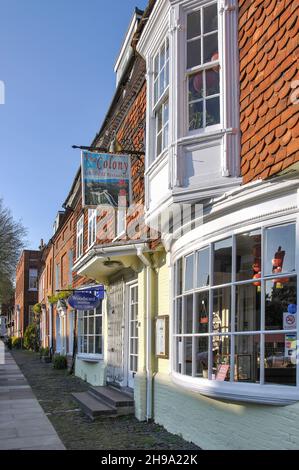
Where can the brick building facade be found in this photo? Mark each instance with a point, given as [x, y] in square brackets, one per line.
[193, 322]
[26, 293]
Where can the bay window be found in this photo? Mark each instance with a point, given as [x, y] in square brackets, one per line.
[160, 100]
[235, 309]
[203, 67]
[90, 337]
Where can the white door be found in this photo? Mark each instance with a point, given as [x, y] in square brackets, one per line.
[132, 328]
[58, 339]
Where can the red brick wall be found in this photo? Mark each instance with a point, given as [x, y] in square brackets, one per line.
[30, 259]
[269, 63]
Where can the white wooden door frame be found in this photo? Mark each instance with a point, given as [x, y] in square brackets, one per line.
[128, 378]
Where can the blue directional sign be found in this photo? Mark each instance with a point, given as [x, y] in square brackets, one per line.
[87, 299]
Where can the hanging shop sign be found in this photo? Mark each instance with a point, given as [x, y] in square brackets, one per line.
[105, 178]
[88, 299]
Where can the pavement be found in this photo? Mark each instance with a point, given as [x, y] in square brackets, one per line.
[23, 423]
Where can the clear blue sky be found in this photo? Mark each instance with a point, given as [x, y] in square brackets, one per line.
[56, 60]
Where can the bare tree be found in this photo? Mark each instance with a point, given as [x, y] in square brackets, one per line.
[12, 235]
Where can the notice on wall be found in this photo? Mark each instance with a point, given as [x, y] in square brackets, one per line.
[289, 321]
[291, 347]
[162, 337]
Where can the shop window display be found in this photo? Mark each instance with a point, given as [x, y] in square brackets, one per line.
[240, 310]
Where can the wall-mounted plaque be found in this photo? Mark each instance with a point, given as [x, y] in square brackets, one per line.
[162, 336]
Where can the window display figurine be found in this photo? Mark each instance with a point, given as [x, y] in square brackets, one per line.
[277, 263]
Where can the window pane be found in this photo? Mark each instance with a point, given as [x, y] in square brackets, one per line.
[156, 94]
[280, 249]
[85, 344]
[196, 86]
[203, 270]
[159, 144]
[165, 137]
[91, 326]
[221, 309]
[162, 82]
[248, 308]
[195, 116]
[212, 111]
[210, 47]
[221, 357]
[98, 345]
[179, 304]
[162, 56]
[281, 304]
[188, 314]
[91, 344]
[280, 359]
[98, 325]
[189, 271]
[201, 351]
[202, 312]
[193, 53]
[165, 112]
[247, 358]
[188, 356]
[179, 355]
[193, 25]
[223, 261]
[212, 81]
[159, 119]
[248, 252]
[179, 276]
[210, 18]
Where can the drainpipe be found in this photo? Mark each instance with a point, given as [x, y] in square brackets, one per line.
[149, 366]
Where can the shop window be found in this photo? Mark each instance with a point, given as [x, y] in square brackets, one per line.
[241, 327]
[90, 339]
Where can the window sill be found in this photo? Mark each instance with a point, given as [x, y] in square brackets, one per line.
[277, 395]
[157, 161]
[90, 357]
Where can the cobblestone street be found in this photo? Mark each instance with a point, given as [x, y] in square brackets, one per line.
[53, 390]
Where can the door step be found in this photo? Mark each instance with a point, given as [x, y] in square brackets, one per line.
[93, 407]
[104, 401]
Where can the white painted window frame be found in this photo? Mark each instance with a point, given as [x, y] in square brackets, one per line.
[201, 68]
[80, 237]
[271, 394]
[82, 354]
[92, 227]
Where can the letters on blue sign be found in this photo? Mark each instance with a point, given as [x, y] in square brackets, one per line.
[88, 299]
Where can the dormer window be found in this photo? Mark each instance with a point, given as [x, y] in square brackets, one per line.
[203, 68]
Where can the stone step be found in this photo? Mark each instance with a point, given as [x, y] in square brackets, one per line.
[93, 407]
[112, 397]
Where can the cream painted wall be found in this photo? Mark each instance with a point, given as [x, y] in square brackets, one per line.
[92, 372]
[161, 300]
[215, 424]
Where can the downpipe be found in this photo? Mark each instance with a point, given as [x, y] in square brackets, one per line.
[149, 366]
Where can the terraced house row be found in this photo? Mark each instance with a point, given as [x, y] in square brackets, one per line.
[198, 325]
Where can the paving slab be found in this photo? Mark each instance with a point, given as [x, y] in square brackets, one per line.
[23, 423]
